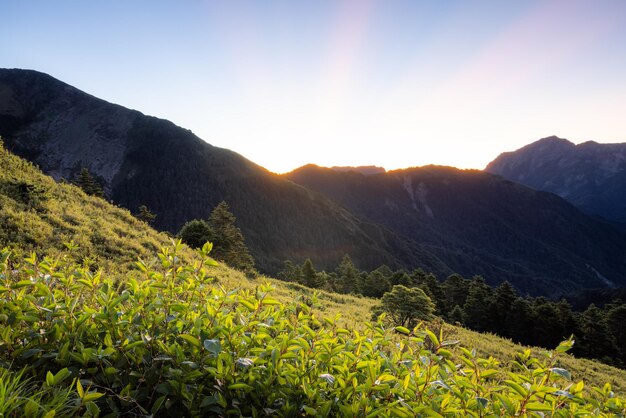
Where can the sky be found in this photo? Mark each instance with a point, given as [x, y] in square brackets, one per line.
[389, 82]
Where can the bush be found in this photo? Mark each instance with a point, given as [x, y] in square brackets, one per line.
[168, 341]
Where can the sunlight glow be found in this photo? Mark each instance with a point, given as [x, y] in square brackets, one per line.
[393, 84]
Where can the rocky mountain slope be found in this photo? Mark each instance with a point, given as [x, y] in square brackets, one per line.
[590, 175]
[143, 160]
[478, 223]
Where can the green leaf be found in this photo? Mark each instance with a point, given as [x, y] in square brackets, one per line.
[240, 386]
[158, 404]
[213, 346]
[49, 379]
[93, 409]
[79, 389]
[247, 304]
[482, 402]
[538, 406]
[268, 301]
[565, 346]
[191, 339]
[432, 336]
[487, 373]
[561, 372]
[21, 283]
[61, 375]
[403, 330]
[516, 387]
[92, 396]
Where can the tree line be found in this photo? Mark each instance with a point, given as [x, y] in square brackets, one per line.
[599, 331]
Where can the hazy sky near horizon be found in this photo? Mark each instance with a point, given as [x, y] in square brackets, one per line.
[388, 82]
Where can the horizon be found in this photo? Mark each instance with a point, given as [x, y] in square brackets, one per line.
[351, 83]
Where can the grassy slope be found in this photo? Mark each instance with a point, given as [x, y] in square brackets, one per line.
[37, 214]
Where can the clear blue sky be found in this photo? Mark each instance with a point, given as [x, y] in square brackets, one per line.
[392, 83]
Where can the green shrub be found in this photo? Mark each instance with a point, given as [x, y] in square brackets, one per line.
[170, 341]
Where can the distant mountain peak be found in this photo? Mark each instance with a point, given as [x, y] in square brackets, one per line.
[590, 175]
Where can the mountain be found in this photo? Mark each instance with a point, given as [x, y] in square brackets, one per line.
[590, 175]
[440, 219]
[363, 169]
[143, 160]
[479, 223]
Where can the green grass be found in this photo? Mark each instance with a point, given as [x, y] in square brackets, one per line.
[37, 214]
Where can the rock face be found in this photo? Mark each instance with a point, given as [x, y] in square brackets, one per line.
[590, 175]
[143, 160]
[54, 123]
[478, 223]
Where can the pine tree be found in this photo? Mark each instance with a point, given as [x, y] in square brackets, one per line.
[290, 273]
[347, 276]
[477, 305]
[616, 318]
[309, 275]
[431, 286]
[89, 185]
[455, 289]
[504, 296]
[375, 284]
[228, 241]
[144, 214]
[456, 315]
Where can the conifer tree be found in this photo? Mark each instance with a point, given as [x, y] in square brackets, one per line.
[431, 286]
[503, 297]
[228, 242]
[290, 273]
[347, 276]
[476, 307]
[89, 185]
[145, 214]
[309, 275]
[375, 284]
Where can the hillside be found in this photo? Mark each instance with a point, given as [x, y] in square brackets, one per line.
[590, 175]
[143, 160]
[178, 334]
[37, 214]
[478, 223]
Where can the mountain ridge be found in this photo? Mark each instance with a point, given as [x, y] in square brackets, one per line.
[479, 223]
[414, 220]
[590, 175]
[144, 160]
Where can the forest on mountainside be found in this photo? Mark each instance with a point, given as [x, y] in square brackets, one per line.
[538, 321]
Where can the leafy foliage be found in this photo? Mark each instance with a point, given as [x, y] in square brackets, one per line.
[406, 306]
[21, 398]
[195, 233]
[474, 304]
[169, 341]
